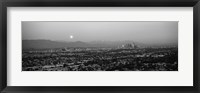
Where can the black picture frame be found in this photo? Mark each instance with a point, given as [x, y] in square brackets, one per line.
[98, 3]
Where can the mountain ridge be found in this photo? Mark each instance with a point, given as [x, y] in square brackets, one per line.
[44, 44]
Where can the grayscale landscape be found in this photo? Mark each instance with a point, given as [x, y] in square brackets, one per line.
[100, 46]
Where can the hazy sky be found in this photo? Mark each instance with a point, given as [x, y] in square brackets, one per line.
[102, 31]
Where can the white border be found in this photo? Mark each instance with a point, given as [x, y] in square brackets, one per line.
[183, 77]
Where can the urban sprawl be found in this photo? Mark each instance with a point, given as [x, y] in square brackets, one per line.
[128, 57]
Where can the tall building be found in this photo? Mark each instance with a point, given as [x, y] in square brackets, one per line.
[129, 46]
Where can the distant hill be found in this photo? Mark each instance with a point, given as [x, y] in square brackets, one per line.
[43, 44]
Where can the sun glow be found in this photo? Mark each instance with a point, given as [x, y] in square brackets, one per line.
[71, 36]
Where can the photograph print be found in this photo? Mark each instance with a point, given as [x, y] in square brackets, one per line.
[99, 45]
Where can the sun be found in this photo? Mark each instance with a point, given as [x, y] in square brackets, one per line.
[71, 36]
